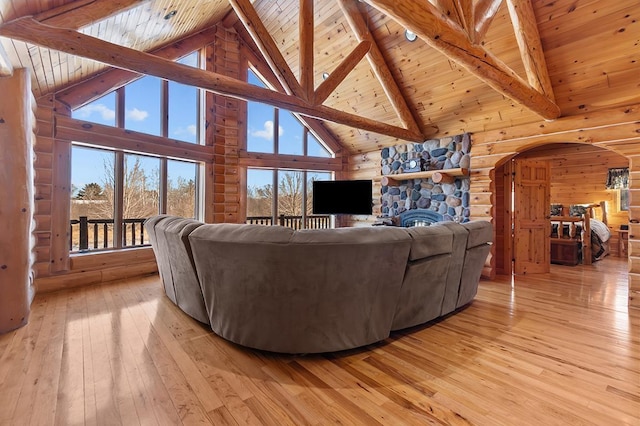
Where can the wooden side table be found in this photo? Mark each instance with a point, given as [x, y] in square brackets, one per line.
[623, 241]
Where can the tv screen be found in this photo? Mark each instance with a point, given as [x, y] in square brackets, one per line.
[342, 197]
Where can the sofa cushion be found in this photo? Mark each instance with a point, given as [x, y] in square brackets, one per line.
[308, 291]
[479, 233]
[429, 241]
[478, 247]
[460, 235]
[163, 259]
[187, 289]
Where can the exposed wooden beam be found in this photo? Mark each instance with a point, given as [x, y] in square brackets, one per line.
[467, 10]
[261, 37]
[423, 19]
[82, 13]
[93, 88]
[379, 64]
[484, 12]
[340, 73]
[31, 31]
[526, 29]
[451, 8]
[306, 37]
[6, 68]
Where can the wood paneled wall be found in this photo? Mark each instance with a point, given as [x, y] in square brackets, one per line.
[222, 131]
[616, 130]
[606, 139]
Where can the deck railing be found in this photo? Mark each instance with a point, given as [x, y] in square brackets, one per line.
[295, 222]
[95, 234]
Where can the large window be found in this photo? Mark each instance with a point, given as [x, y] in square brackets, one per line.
[277, 131]
[183, 107]
[279, 196]
[114, 191]
[143, 106]
[284, 197]
[101, 111]
[174, 115]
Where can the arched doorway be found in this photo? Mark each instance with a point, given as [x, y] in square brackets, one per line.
[578, 175]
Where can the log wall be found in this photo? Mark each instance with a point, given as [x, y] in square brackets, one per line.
[608, 138]
[16, 200]
[615, 130]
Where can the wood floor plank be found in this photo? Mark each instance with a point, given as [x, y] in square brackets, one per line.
[16, 359]
[184, 399]
[560, 348]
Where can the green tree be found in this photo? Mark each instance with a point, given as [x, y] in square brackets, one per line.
[90, 191]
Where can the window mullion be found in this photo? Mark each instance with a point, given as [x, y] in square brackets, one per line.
[304, 199]
[164, 108]
[118, 174]
[118, 214]
[276, 133]
[274, 198]
[164, 184]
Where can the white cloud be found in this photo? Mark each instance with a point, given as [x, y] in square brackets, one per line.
[190, 130]
[137, 114]
[105, 112]
[267, 132]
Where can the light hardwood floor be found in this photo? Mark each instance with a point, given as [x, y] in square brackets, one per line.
[554, 349]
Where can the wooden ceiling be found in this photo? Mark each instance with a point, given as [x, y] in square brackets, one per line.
[455, 78]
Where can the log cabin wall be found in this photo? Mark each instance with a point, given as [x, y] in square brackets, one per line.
[616, 129]
[17, 124]
[222, 131]
[55, 268]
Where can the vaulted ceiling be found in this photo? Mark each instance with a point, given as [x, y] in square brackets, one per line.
[477, 64]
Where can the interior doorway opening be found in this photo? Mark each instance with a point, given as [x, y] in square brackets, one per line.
[578, 174]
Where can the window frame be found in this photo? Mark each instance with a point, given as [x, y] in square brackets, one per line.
[103, 140]
[284, 162]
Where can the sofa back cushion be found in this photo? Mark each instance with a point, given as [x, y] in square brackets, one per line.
[281, 290]
[173, 239]
[478, 246]
[163, 259]
[460, 240]
[425, 278]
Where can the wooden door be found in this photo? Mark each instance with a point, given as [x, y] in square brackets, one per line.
[531, 217]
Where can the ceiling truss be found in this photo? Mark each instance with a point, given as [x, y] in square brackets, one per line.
[454, 27]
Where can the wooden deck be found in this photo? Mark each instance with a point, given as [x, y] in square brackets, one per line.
[553, 349]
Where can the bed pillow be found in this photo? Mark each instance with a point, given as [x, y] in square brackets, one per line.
[556, 209]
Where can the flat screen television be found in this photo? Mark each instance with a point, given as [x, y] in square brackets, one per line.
[342, 197]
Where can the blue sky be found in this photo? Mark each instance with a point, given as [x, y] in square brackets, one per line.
[142, 114]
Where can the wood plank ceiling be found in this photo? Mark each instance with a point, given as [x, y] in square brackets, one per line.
[591, 49]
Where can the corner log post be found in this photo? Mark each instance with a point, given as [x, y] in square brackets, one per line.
[16, 200]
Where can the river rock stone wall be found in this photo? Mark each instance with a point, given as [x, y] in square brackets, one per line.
[449, 199]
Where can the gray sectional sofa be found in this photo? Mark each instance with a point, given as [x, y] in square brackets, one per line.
[309, 291]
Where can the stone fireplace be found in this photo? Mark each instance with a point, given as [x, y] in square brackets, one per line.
[447, 198]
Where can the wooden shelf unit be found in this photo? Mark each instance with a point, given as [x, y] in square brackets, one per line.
[442, 175]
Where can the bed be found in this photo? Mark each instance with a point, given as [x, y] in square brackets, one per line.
[577, 236]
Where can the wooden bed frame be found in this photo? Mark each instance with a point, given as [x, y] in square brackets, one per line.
[565, 250]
